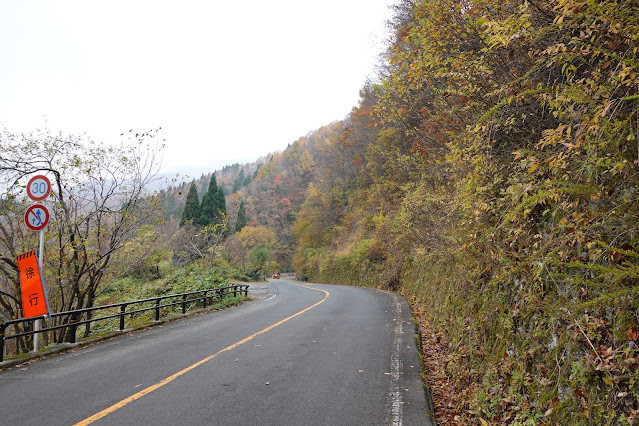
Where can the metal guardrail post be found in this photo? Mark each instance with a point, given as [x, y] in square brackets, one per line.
[234, 291]
[183, 304]
[2, 328]
[157, 308]
[204, 300]
[122, 311]
[73, 327]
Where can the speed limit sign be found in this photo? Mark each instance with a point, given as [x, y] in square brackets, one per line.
[39, 188]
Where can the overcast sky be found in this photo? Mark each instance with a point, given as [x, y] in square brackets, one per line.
[228, 81]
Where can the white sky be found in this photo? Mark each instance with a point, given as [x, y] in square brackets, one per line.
[228, 81]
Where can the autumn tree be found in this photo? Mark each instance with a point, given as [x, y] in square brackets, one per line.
[99, 200]
[258, 257]
[247, 239]
[194, 243]
[306, 166]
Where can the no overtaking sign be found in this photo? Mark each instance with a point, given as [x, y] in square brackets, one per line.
[36, 217]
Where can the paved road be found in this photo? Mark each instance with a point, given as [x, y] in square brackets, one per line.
[302, 354]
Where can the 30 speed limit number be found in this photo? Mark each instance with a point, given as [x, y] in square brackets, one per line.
[39, 188]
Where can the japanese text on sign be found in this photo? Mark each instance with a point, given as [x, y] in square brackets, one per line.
[32, 289]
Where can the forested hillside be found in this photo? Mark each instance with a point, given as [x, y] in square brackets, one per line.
[491, 177]
[271, 191]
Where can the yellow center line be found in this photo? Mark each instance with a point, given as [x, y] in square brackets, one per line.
[169, 379]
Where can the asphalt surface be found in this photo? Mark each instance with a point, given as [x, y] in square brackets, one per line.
[301, 354]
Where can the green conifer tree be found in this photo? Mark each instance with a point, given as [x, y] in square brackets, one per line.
[209, 212]
[241, 218]
[239, 181]
[221, 202]
[191, 211]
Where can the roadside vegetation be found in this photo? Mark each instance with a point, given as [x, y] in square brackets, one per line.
[491, 177]
[537, 281]
[179, 280]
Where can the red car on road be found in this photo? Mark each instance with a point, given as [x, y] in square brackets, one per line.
[276, 275]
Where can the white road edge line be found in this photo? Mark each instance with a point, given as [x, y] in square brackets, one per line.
[272, 296]
[395, 418]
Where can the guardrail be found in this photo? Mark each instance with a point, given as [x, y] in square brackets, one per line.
[75, 316]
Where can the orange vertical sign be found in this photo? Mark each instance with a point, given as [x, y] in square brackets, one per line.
[34, 302]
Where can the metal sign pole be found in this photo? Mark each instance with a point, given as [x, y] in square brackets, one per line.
[41, 265]
[36, 327]
[44, 290]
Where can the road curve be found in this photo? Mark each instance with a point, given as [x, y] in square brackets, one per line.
[302, 354]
